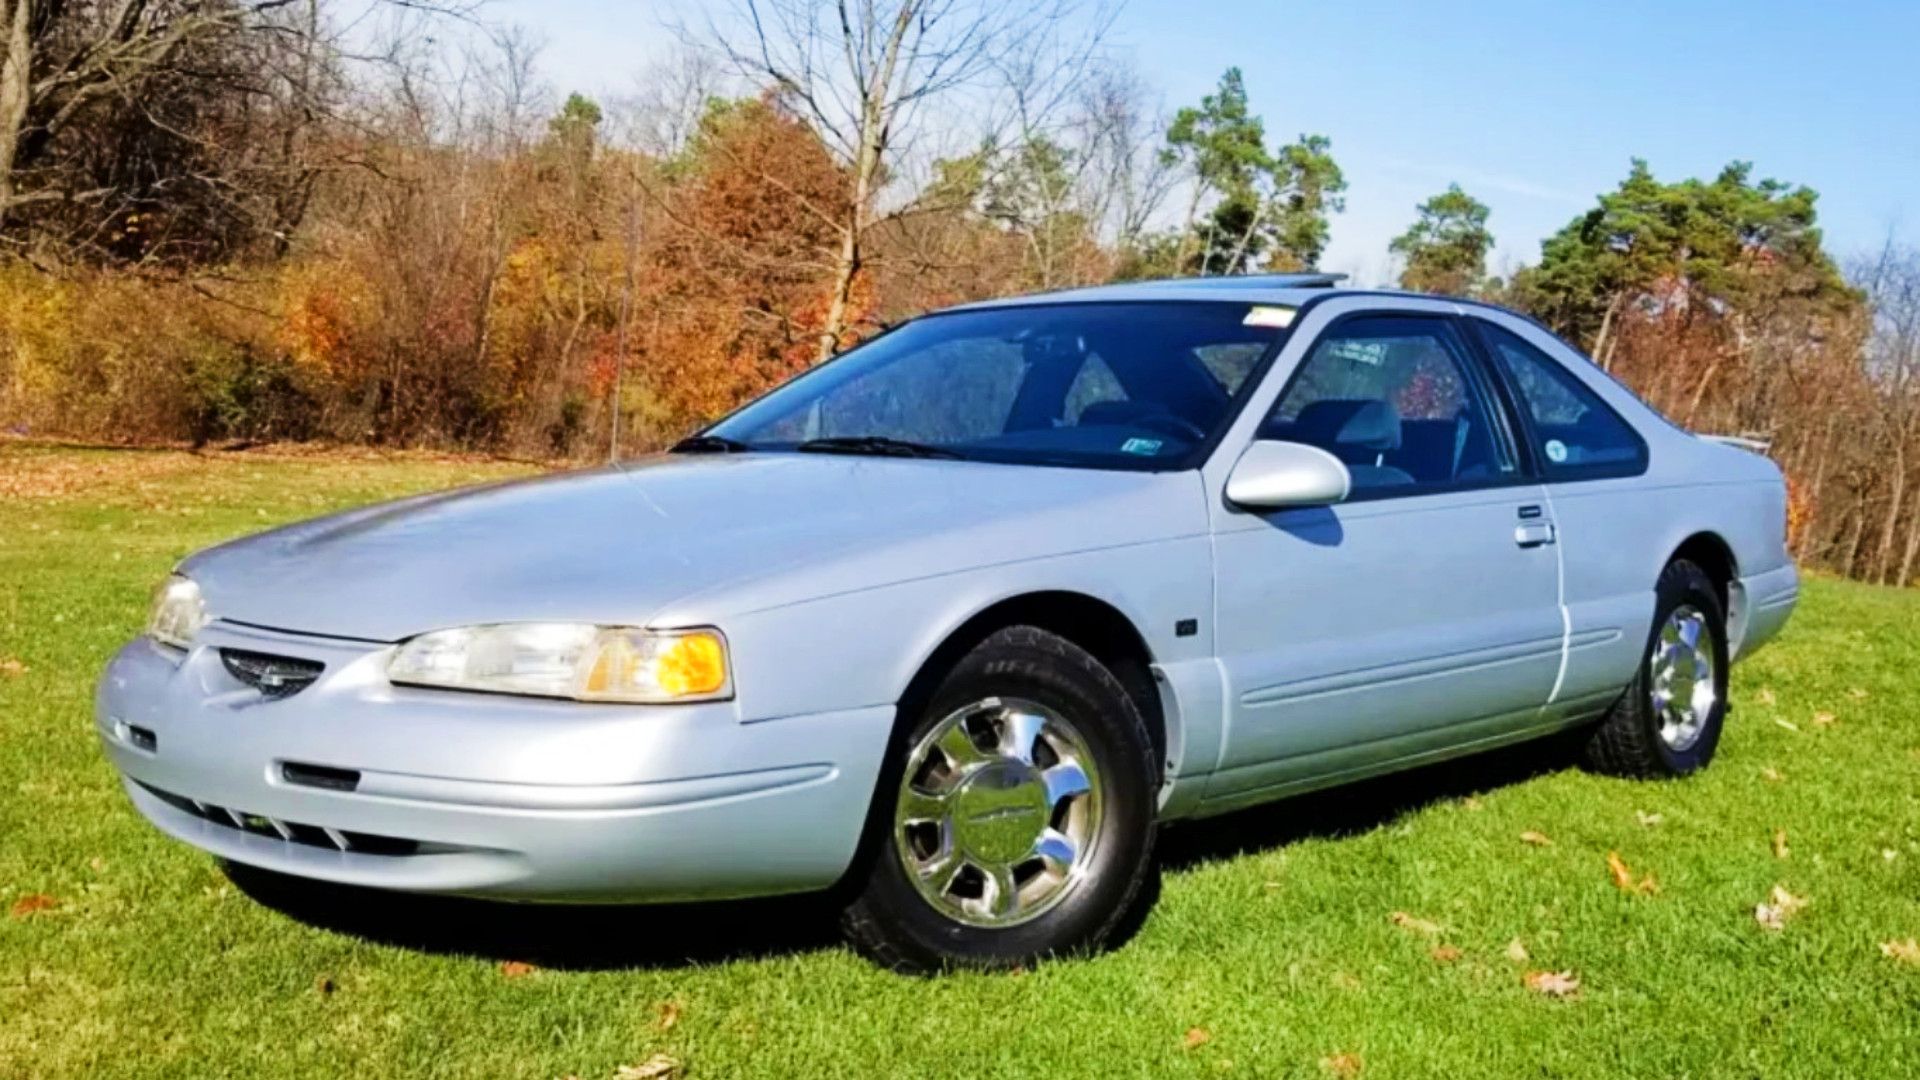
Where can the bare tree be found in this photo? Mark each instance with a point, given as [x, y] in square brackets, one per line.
[1891, 281]
[864, 74]
[231, 90]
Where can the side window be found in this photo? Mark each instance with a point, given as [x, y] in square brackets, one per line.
[1576, 435]
[1396, 398]
[1094, 385]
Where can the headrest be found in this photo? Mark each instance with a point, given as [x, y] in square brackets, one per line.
[1353, 423]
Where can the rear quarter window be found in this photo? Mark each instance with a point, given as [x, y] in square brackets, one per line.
[1575, 434]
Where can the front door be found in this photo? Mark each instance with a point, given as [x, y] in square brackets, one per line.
[1421, 614]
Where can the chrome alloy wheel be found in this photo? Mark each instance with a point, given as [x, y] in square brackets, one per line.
[998, 813]
[1685, 689]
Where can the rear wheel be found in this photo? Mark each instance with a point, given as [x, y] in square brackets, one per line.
[1669, 720]
[1019, 816]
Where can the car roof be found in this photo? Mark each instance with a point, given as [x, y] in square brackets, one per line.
[1290, 290]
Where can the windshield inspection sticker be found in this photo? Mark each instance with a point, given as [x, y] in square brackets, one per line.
[1279, 317]
[1556, 451]
[1148, 447]
[1370, 353]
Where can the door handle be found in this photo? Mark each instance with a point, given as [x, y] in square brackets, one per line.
[1533, 533]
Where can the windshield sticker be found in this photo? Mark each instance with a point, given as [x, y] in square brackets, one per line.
[1370, 353]
[1277, 317]
[1148, 447]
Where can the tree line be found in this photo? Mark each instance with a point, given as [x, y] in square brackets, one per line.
[372, 223]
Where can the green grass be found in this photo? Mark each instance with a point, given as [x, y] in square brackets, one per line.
[1273, 934]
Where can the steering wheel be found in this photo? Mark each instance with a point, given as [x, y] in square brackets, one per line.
[1172, 424]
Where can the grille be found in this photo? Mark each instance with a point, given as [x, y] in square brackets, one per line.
[317, 836]
[274, 676]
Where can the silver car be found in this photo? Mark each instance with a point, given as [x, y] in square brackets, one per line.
[954, 622]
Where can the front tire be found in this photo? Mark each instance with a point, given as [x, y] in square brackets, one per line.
[1669, 720]
[1018, 816]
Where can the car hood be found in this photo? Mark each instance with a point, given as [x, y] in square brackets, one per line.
[618, 545]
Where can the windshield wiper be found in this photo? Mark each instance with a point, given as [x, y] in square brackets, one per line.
[708, 444]
[874, 444]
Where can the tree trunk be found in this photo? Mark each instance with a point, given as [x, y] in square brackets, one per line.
[1883, 559]
[16, 87]
[1912, 552]
[876, 113]
[1606, 326]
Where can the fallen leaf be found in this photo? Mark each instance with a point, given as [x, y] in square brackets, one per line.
[1445, 954]
[323, 985]
[516, 969]
[1906, 952]
[1346, 980]
[1785, 723]
[1196, 1037]
[32, 904]
[1780, 843]
[1889, 854]
[97, 864]
[1623, 876]
[1823, 719]
[1471, 803]
[657, 1067]
[1771, 774]
[1418, 926]
[1346, 1066]
[1537, 839]
[1649, 820]
[1516, 952]
[669, 1015]
[1765, 696]
[1557, 984]
[12, 668]
[1857, 694]
[1780, 905]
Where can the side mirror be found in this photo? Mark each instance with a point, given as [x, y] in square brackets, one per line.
[1272, 475]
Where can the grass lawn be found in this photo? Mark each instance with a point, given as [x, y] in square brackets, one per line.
[1275, 951]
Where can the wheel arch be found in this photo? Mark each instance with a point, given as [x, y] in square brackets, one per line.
[1711, 553]
[1088, 621]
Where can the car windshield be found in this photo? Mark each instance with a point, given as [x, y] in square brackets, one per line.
[1123, 385]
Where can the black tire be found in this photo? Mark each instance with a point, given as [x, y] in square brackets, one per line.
[890, 922]
[1628, 742]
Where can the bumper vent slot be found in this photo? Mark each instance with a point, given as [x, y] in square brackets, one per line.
[287, 831]
[275, 677]
[320, 776]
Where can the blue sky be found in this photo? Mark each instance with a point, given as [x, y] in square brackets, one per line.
[1532, 107]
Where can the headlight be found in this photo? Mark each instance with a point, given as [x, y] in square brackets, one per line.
[570, 660]
[178, 613]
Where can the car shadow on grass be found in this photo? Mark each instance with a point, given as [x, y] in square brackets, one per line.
[1362, 806]
[646, 936]
[598, 937]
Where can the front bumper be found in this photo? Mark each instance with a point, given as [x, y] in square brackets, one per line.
[479, 794]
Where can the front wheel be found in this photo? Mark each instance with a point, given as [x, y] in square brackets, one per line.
[1669, 720]
[1019, 822]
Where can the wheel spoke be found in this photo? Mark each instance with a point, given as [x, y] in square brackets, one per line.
[917, 805]
[1057, 850]
[1002, 894]
[1018, 732]
[1689, 633]
[1064, 781]
[956, 745]
[937, 873]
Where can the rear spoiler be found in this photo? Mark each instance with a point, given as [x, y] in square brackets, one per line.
[1758, 446]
